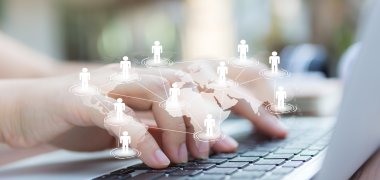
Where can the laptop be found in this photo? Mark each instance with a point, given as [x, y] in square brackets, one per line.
[316, 147]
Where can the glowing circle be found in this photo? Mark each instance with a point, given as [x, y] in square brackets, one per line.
[79, 91]
[120, 79]
[174, 109]
[220, 85]
[204, 137]
[244, 63]
[274, 109]
[119, 153]
[149, 62]
[268, 74]
[112, 120]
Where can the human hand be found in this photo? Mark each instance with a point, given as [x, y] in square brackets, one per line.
[50, 114]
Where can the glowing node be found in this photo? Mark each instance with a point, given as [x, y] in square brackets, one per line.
[79, 91]
[150, 63]
[222, 85]
[119, 153]
[112, 119]
[204, 137]
[251, 62]
[268, 74]
[174, 109]
[121, 79]
[274, 109]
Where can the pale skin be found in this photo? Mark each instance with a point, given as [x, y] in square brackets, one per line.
[37, 109]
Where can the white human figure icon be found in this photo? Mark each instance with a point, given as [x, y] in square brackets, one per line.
[125, 140]
[280, 96]
[222, 71]
[84, 76]
[119, 107]
[209, 122]
[174, 92]
[243, 49]
[274, 60]
[125, 65]
[157, 50]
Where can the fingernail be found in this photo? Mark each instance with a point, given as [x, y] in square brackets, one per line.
[182, 153]
[203, 149]
[161, 157]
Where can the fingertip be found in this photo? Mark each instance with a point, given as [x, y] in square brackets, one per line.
[161, 160]
[227, 144]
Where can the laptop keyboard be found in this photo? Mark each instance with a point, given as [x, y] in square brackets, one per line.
[256, 158]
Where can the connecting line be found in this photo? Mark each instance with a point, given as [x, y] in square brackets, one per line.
[246, 82]
[150, 91]
[135, 97]
[170, 130]
[240, 73]
[102, 104]
[163, 83]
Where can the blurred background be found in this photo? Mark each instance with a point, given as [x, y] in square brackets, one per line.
[313, 33]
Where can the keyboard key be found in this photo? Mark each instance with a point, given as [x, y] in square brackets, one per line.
[266, 149]
[296, 146]
[259, 167]
[282, 170]
[221, 171]
[199, 166]
[317, 147]
[244, 159]
[140, 167]
[301, 158]
[233, 165]
[288, 151]
[255, 154]
[148, 176]
[247, 174]
[185, 172]
[270, 161]
[292, 164]
[182, 164]
[122, 171]
[279, 156]
[309, 153]
[211, 161]
[113, 176]
[166, 170]
[208, 177]
[224, 156]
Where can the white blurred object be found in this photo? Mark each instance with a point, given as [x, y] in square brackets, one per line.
[346, 61]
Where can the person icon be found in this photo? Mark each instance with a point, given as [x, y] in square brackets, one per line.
[209, 122]
[174, 92]
[84, 76]
[274, 60]
[222, 71]
[125, 140]
[157, 50]
[243, 49]
[125, 65]
[119, 107]
[280, 96]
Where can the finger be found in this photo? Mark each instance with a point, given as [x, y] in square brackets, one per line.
[198, 149]
[226, 144]
[174, 142]
[147, 95]
[151, 154]
[255, 111]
